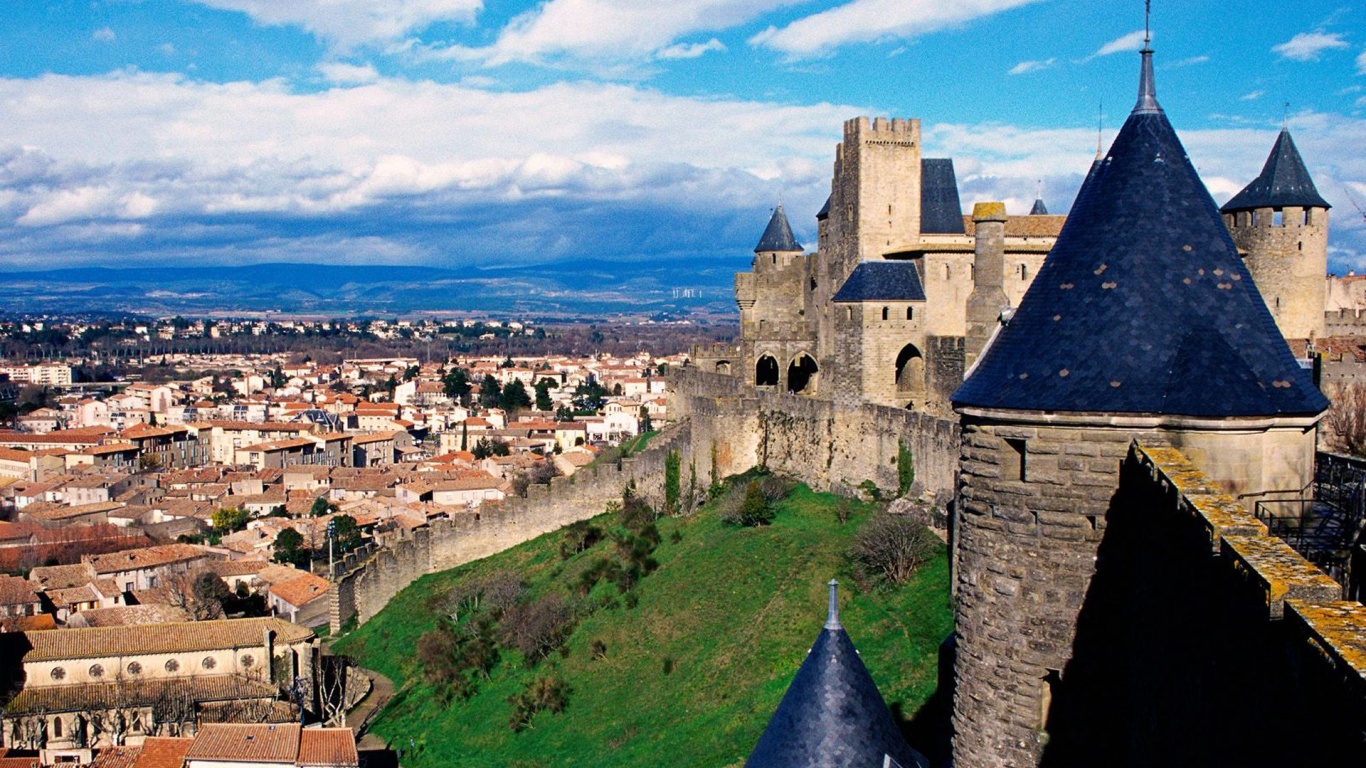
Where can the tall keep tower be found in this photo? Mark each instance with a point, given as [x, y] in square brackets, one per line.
[1281, 223]
[1143, 322]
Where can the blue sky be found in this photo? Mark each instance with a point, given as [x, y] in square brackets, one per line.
[478, 133]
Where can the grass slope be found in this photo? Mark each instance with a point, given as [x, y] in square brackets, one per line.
[735, 610]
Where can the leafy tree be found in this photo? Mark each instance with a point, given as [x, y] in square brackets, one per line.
[457, 385]
[589, 396]
[289, 549]
[229, 519]
[563, 413]
[486, 448]
[277, 377]
[905, 469]
[321, 506]
[411, 372]
[671, 483]
[489, 391]
[514, 396]
[543, 401]
[646, 423]
[345, 532]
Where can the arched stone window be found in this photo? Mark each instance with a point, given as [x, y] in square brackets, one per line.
[910, 371]
[766, 371]
[801, 373]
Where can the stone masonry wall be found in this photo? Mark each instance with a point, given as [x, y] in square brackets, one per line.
[372, 578]
[1288, 261]
[1118, 608]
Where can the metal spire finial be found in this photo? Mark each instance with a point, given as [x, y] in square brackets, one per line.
[1100, 130]
[1285, 117]
[832, 619]
[1147, 90]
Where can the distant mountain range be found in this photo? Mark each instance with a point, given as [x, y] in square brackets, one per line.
[580, 289]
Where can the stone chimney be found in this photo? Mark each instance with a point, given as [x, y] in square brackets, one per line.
[988, 295]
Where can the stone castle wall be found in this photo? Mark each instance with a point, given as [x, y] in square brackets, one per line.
[1288, 260]
[829, 445]
[371, 578]
[1168, 629]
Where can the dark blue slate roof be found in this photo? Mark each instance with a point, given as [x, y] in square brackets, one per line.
[777, 235]
[940, 211]
[832, 715]
[1143, 305]
[882, 281]
[1039, 208]
[824, 212]
[1284, 182]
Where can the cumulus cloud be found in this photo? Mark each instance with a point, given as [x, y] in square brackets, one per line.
[691, 50]
[870, 20]
[1361, 63]
[611, 30]
[1026, 67]
[104, 35]
[1124, 43]
[341, 72]
[1309, 46]
[1252, 96]
[353, 22]
[423, 172]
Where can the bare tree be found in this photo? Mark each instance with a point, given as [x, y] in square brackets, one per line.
[1347, 418]
[341, 686]
[891, 548]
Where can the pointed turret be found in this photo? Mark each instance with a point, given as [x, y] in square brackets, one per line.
[1143, 305]
[778, 235]
[1039, 208]
[832, 714]
[1283, 183]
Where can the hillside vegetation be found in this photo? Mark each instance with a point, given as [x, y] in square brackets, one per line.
[683, 669]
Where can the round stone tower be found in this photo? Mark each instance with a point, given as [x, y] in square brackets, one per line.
[1280, 223]
[1143, 322]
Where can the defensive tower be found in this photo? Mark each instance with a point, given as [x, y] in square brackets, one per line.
[1142, 322]
[777, 335]
[1281, 223]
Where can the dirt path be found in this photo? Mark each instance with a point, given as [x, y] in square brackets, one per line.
[381, 690]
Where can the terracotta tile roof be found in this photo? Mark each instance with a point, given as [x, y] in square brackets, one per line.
[11, 454]
[117, 757]
[163, 752]
[61, 576]
[301, 591]
[237, 742]
[327, 747]
[1024, 226]
[44, 512]
[147, 557]
[19, 762]
[279, 445]
[16, 591]
[183, 637]
[135, 693]
[72, 596]
[236, 567]
[130, 616]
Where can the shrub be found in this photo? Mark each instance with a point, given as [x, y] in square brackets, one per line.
[579, 537]
[542, 694]
[752, 510]
[536, 628]
[890, 548]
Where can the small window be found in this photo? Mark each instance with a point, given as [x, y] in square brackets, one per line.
[848, 313]
[947, 273]
[775, 258]
[910, 313]
[134, 668]
[1024, 272]
[1021, 456]
[57, 673]
[96, 670]
[172, 665]
[247, 661]
[1308, 216]
[56, 727]
[885, 312]
[208, 663]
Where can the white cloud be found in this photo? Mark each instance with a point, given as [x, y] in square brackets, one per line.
[349, 74]
[1192, 61]
[104, 35]
[1252, 96]
[1361, 63]
[870, 20]
[1130, 42]
[611, 29]
[1309, 46]
[166, 49]
[353, 22]
[1026, 67]
[691, 50]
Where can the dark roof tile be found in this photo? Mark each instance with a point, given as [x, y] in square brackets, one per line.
[777, 235]
[940, 211]
[882, 281]
[1143, 305]
[1284, 181]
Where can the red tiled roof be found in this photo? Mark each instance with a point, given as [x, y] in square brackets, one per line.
[237, 742]
[163, 752]
[329, 747]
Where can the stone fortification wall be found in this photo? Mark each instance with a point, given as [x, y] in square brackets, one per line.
[828, 445]
[1194, 638]
[372, 577]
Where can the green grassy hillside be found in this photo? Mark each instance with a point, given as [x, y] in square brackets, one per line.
[697, 655]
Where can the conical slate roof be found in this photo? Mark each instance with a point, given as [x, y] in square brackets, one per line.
[824, 212]
[1284, 182]
[832, 715]
[1143, 305]
[940, 211]
[778, 235]
[1039, 208]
